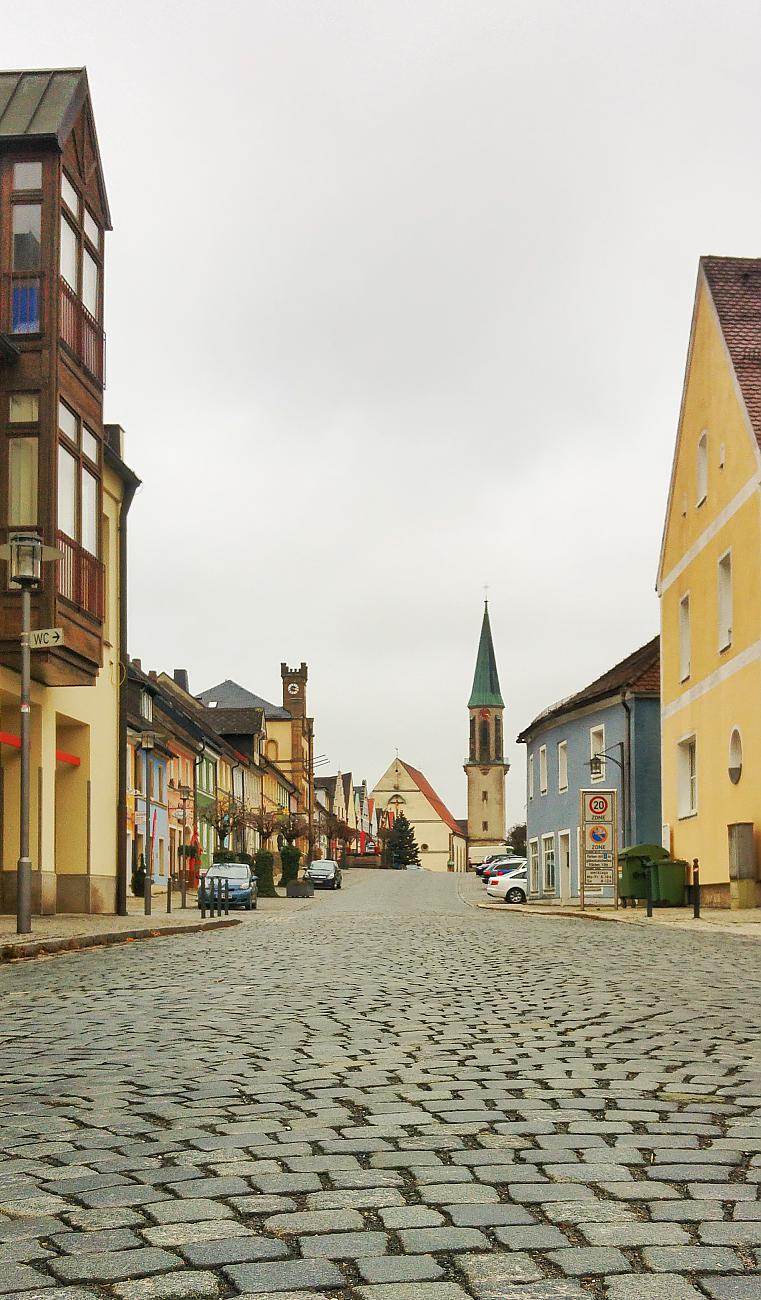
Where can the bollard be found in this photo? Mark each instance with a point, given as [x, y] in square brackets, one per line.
[695, 889]
[202, 897]
[649, 891]
[217, 895]
[168, 894]
[183, 889]
[147, 894]
[227, 896]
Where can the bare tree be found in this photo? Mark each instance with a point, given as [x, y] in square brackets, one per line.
[264, 822]
[292, 827]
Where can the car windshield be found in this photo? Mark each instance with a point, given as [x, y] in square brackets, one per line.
[322, 866]
[228, 871]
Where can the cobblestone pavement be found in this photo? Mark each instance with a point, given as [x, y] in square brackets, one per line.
[385, 1096]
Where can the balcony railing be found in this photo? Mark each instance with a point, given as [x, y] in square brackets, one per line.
[82, 334]
[81, 578]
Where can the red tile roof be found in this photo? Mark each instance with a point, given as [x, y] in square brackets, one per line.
[735, 286]
[436, 803]
[639, 673]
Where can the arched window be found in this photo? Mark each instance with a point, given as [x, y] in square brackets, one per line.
[497, 737]
[702, 469]
[484, 741]
[272, 750]
[472, 739]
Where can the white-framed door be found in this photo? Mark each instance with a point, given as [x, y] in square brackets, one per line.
[564, 865]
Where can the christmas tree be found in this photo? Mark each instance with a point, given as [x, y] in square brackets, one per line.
[402, 844]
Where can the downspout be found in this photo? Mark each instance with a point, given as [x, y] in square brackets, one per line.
[627, 772]
[122, 865]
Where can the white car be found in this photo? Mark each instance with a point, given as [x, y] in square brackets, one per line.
[512, 887]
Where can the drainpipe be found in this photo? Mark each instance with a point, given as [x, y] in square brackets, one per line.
[122, 866]
[627, 766]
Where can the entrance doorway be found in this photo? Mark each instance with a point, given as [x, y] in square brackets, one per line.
[564, 854]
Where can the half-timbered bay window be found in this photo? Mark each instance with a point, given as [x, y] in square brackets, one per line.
[23, 442]
[26, 252]
[81, 244]
[81, 576]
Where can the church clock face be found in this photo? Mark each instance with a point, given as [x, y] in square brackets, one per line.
[293, 688]
[484, 714]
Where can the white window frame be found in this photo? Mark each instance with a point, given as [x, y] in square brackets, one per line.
[701, 470]
[548, 887]
[531, 776]
[724, 601]
[562, 766]
[533, 859]
[685, 638]
[593, 731]
[687, 775]
[542, 769]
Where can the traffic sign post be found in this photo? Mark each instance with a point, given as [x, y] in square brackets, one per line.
[599, 842]
[46, 638]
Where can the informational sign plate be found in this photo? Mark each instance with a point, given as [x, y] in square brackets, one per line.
[45, 638]
[599, 840]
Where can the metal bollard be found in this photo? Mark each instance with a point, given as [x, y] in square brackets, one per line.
[183, 889]
[695, 889]
[227, 896]
[649, 891]
[202, 897]
[218, 897]
[168, 894]
[147, 894]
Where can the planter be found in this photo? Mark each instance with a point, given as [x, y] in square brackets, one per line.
[299, 889]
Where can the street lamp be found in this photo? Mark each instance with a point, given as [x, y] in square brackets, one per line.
[25, 554]
[147, 742]
[184, 792]
[596, 767]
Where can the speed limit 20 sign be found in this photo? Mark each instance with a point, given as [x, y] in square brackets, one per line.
[599, 842]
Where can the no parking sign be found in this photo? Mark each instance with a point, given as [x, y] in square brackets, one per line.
[599, 840]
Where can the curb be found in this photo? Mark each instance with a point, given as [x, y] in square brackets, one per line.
[566, 915]
[52, 947]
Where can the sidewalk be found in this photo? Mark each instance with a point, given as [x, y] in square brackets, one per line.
[66, 933]
[712, 920]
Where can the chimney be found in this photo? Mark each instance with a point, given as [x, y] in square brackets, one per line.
[153, 674]
[180, 676]
[137, 663]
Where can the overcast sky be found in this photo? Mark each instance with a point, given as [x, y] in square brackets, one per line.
[398, 300]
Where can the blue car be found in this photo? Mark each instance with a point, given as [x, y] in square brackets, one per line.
[241, 880]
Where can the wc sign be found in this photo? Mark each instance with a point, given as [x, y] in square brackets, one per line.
[598, 868]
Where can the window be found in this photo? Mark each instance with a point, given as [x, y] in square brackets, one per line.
[484, 796]
[562, 765]
[702, 469]
[22, 481]
[484, 741]
[80, 261]
[685, 639]
[472, 747]
[597, 746]
[146, 706]
[78, 481]
[531, 776]
[725, 601]
[687, 776]
[543, 770]
[24, 408]
[548, 862]
[484, 826]
[735, 757]
[27, 176]
[533, 863]
[497, 737]
[69, 254]
[26, 228]
[69, 195]
[92, 229]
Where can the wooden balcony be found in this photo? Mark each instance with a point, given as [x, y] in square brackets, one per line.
[81, 578]
[82, 334]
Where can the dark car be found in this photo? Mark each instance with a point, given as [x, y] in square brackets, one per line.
[242, 884]
[324, 873]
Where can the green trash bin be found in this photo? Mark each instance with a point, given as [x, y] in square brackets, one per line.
[633, 865]
[672, 883]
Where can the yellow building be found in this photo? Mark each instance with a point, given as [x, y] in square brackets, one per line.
[709, 584]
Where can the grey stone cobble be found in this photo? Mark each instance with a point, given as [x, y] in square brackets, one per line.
[400, 1268]
[99, 1266]
[285, 1275]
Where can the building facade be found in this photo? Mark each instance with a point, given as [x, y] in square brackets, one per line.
[617, 718]
[440, 839]
[709, 583]
[486, 768]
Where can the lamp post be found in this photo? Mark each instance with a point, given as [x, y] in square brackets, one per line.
[595, 770]
[25, 554]
[184, 792]
[147, 742]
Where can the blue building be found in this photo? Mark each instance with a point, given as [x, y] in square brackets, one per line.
[616, 718]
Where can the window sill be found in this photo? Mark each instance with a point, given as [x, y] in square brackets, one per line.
[701, 502]
[685, 817]
[562, 789]
[684, 680]
[723, 648]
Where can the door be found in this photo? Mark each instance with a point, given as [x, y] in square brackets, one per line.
[564, 853]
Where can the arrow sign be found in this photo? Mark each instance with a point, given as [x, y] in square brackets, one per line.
[45, 638]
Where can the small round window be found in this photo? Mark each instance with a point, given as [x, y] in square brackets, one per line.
[735, 757]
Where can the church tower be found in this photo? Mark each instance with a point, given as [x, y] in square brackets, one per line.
[486, 768]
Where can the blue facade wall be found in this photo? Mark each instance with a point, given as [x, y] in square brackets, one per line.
[554, 816]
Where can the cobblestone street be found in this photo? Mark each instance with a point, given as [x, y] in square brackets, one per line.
[387, 1095]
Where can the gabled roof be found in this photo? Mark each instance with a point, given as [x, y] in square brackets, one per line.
[348, 785]
[328, 784]
[41, 106]
[236, 722]
[231, 695]
[486, 690]
[436, 803]
[735, 286]
[638, 674]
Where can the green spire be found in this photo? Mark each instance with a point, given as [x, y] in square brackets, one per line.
[486, 690]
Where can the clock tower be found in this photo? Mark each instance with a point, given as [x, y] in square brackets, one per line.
[486, 768]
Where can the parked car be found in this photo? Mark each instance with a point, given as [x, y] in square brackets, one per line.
[242, 884]
[511, 863]
[489, 861]
[324, 873]
[510, 886]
